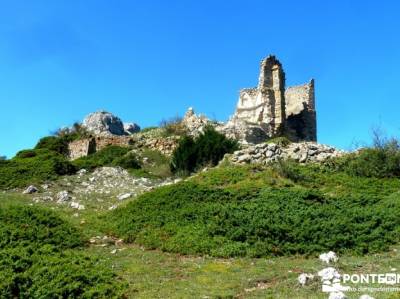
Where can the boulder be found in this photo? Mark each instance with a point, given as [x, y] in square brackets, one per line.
[103, 123]
[63, 196]
[31, 189]
[131, 128]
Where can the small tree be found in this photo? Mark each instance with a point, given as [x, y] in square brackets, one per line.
[207, 149]
[184, 157]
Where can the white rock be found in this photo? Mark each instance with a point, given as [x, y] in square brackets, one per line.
[304, 278]
[366, 297]
[124, 196]
[337, 295]
[328, 257]
[62, 196]
[76, 205]
[82, 171]
[31, 189]
[131, 128]
[328, 274]
[103, 123]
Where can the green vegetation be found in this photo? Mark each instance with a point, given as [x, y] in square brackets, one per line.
[148, 129]
[33, 166]
[39, 258]
[205, 150]
[239, 211]
[59, 142]
[173, 127]
[153, 165]
[281, 141]
[109, 156]
[379, 161]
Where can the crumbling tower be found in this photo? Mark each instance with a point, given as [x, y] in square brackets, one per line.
[278, 111]
[271, 86]
[265, 105]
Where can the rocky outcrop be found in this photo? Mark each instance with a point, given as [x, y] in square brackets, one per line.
[193, 123]
[266, 111]
[131, 128]
[103, 123]
[235, 128]
[266, 153]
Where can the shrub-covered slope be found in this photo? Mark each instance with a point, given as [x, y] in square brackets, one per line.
[39, 258]
[246, 211]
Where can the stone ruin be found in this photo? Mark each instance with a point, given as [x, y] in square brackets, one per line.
[266, 111]
[276, 110]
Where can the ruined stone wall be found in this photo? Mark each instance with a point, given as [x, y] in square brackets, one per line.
[84, 147]
[80, 148]
[300, 112]
[275, 110]
[265, 105]
[104, 141]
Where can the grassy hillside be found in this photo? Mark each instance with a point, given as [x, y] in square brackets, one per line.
[41, 257]
[249, 211]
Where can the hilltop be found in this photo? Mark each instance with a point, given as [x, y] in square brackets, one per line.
[197, 208]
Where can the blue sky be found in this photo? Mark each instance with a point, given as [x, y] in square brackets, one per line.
[149, 60]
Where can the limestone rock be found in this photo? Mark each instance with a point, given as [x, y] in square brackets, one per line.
[31, 189]
[103, 123]
[131, 128]
[124, 196]
[328, 257]
[194, 123]
[63, 196]
[303, 152]
[305, 278]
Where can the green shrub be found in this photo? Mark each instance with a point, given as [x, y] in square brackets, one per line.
[154, 164]
[207, 149]
[54, 143]
[289, 169]
[184, 158]
[173, 126]
[380, 161]
[108, 156]
[33, 166]
[246, 215]
[129, 161]
[38, 258]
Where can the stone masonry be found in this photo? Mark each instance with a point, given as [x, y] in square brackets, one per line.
[278, 111]
[84, 147]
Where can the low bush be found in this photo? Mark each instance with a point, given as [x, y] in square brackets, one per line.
[173, 126]
[207, 149]
[380, 161]
[109, 156]
[250, 214]
[54, 143]
[33, 166]
[148, 129]
[39, 258]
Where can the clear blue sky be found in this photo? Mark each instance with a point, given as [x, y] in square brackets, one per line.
[149, 60]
